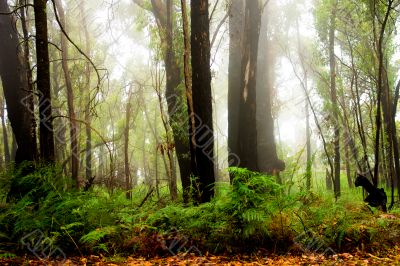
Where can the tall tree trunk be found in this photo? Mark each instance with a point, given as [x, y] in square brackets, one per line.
[247, 105]
[59, 124]
[236, 31]
[202, 98]
[268, 161]
[335, 117]
[128, 183]
[384, 102]
[15, 86]
[70, 98]
[30, 100]
[88, 119]
[43, 82]
[189, 93]
[396, 155]
[308, 148]
[156, 158]
[167, 147]
[348, 166]
[176, 104]
[328, 179]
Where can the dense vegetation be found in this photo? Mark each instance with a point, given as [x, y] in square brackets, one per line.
[187, 128]
[251, 214]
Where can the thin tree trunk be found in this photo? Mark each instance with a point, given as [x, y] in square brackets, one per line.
[328, 180]
[156, 158]
[7, 156]
[378, 119]
[189, 95]
[332, 66]
[129, 120]
[308, 148]
[348, 166]
[128, 185]
[88, 129]
[70, 99]
[59, 124]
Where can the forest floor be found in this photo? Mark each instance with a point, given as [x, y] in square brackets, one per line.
[389, 257]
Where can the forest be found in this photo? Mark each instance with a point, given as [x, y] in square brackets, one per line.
[201, 132]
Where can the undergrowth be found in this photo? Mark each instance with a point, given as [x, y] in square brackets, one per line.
[252, 213]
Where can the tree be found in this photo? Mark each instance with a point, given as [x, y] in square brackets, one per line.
[88, 119]
[15, 86]
[70, 98]
[202, 99]
[43, 82]
[175, 96]
[326, 83]
[247, 136]
[267, 157]
[7, 156]
[236, 30]
[335, 115]
[384, 97]
[128, 183]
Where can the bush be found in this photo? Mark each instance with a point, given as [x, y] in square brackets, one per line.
[250, 214]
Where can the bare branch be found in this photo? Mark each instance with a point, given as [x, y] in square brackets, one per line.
[16, 9]
[97, 70]
[219, 27]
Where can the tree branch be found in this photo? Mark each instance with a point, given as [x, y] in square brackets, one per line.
[219, 27]
[16, 9]
[97, 70]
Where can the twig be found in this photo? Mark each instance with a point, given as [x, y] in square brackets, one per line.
[146, 198]
[214, 8]
[16, 9]
[219, 27]
[77, 47]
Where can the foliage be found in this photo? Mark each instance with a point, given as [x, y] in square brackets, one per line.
[252, 213]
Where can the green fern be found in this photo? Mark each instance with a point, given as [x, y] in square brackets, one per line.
[97, 235]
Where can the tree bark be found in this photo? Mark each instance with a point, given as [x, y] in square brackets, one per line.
[189, 95]
[15, 85]
[267, 157]
[30, 100]
[202, 99]
[176, 104]
[43, 82]
[128, 183]
[88, 119]
[236, 31]
[7, 156]
[348, 166]
[247, 106]
[13, 147]
[308, 149]
[335, 115]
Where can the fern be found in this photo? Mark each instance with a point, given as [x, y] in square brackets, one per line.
[97, 235]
